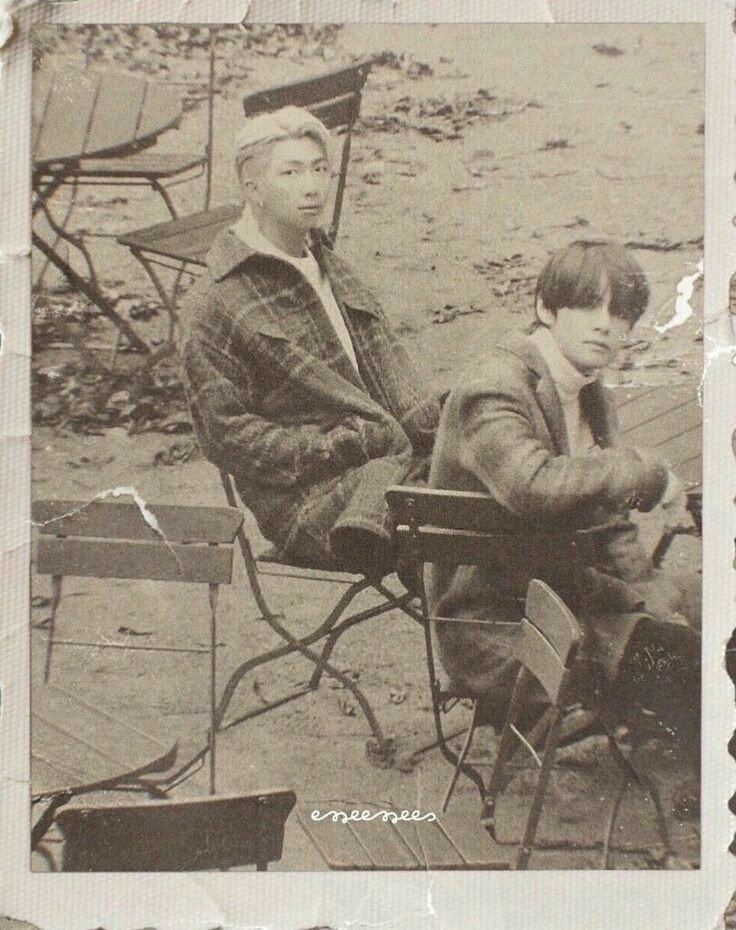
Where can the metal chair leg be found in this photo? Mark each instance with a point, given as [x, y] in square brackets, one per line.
[337, 611]
[612, 818]
[504, 753]
[214, 591]
[56, 581]
[643, 781]
[165, 196]
[535, 812]
[463, 755]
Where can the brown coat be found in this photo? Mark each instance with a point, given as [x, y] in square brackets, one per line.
[502, 431]
[276, 402]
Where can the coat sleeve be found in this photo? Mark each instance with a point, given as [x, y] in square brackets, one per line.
[407, 394]
[500, 446]
[240, 441]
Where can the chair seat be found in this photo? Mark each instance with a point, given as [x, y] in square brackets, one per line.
[146, 165]
[188, 239]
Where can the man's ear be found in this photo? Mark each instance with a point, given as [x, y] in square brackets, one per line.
[545, 316]
[249, 187]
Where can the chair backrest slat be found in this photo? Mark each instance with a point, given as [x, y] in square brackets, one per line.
[459, 510]
[101, 558]
[467, 547]
[551, 616]
[450, 547]
[210, 833]
[306, 93]
[123, 520]
[536, 654]
[343, 111]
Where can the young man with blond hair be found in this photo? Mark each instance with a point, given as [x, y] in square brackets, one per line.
[298, 386]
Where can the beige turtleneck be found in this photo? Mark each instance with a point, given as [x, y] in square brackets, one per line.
[569, 382]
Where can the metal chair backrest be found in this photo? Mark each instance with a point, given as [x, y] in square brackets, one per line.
[549, 637]
[334, 98]
[456, 527]
[192, 835]
[107, 539]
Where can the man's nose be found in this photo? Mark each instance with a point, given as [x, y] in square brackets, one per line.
[603, 320]
[311, 182]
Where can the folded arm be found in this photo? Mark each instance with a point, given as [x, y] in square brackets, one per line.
[239, 440]
[501, 447]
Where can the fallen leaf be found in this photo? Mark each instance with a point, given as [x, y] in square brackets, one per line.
[611, 50]
[347, 707]
[176, 454]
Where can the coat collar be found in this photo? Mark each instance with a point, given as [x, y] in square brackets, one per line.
[596, 406]
[229, 252]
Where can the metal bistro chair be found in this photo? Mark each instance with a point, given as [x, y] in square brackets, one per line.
[157, 170]
[327, 632]
[452, 527]
[167, 836]
[183, 244]
[548, 642]
[106, 539]
[334, 97]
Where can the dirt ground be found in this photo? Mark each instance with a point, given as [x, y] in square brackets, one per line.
[480, 151]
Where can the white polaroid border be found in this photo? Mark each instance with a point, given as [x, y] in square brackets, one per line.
[692, 900]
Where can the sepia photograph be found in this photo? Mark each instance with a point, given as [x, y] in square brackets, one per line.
[367, 407]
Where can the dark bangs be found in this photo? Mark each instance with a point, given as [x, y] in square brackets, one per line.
[581, 274]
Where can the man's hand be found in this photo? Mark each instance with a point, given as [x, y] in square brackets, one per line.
[674, 505]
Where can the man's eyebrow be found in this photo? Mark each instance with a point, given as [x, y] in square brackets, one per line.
[297, 161]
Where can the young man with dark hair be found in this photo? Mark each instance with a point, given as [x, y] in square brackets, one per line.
[298, 386]
[533, 426]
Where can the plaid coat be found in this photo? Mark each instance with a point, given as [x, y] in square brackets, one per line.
[311, 443]
[503, 432]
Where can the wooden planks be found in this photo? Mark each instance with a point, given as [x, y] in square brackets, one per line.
[75, 743]
[78, 113]
[546, 611]
[538, 656]
[340, 112]
[63, 126]
[191, 835]
[349, 841]
[124, 520]
[141, 164]
[669, 420]
[141, 560]
[185, 239]
[304, 93]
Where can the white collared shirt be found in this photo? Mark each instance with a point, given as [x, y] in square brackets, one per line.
[247, 230]
[569, 382]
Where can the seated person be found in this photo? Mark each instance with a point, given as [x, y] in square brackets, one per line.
[298, 386]
[532, 426]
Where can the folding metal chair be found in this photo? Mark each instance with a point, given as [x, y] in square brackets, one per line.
[443, 526]
[182, 244]
[157, 170]
[548, 642]
[317, 645]
[168, 836]
[456, 527]
[106, 539]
